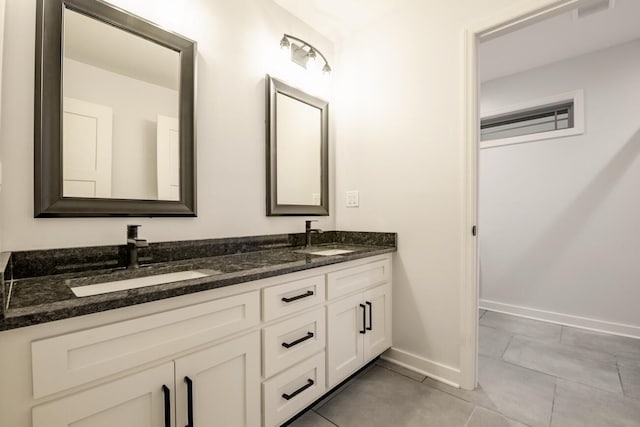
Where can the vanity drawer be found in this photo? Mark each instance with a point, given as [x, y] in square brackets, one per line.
[77, 358]
[353, 279]
[293, 390]
[286, 343]
[294, 296]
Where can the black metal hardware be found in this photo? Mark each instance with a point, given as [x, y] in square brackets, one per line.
[297, 297]
[167, 405]
[298, 391]
[474, 230]
[370, 327]
[364, 319]
[189, 401]
[298, 341]
[308, 230]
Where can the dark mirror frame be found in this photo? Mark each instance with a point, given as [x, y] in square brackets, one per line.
[274, 87]
[48, 199]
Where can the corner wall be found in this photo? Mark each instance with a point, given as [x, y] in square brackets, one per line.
[238, 43]
[559, 218]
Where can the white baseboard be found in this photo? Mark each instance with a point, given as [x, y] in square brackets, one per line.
[563, 319]
[413, 362]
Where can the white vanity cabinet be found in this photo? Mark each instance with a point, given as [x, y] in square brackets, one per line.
[249, 355]
[358, 325]
[293, 348]
[137, 400]
[220, 385]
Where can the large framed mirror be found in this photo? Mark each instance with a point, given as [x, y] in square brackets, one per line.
[114, 114]
[297, 151]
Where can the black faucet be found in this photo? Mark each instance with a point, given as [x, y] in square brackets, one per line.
[133, 243]
[308, 230]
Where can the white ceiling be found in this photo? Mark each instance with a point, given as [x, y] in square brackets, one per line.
[559, 38]
[336, 19]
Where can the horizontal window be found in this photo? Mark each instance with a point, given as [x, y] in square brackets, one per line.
[552, 117]
[528, 122]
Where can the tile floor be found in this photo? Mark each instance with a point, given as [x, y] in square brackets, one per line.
[531, 373]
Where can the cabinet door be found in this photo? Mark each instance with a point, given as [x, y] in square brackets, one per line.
[134, 401]
[344, 343]
[225, 384]
[378, 321]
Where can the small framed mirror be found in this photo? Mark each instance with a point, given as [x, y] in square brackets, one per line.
[114, 114]
[297, 151]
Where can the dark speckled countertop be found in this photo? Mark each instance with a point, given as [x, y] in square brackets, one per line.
[36, 283]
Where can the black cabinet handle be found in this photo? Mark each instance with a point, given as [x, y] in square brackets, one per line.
[167, 405]
[370, 327]
[297, 297]
[189, 401]
[298, 341]
[364, 319]
[298, 391]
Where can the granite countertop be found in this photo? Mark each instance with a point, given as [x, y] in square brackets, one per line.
[32, 297]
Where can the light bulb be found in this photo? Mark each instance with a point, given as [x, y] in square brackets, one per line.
[285, 49]
[284, 43]
[312, 59]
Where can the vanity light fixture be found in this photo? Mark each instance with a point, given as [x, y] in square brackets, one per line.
[304, 54]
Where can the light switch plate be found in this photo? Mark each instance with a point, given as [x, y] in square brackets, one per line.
[353, 199]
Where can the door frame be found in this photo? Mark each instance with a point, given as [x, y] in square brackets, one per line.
[508, 20]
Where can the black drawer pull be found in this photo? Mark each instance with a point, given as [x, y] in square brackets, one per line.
[298, 341]
[297, 297]
[370, 327]
[167, 405]
[298, 391]
[189, 401]
[364, 319]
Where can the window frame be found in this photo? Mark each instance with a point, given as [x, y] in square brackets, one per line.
[576, 97]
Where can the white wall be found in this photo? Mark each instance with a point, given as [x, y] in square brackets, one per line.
[399, 104]
[238, 43]
[559, 219]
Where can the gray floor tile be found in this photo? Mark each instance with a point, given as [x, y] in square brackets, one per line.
[384, 398]
[492, 342]
[311, 419]
[578, 405]
[338, 390]
[630, 376]
[576, 364]
[401, 370]
[606, 343]
[521, 326]
[518, 393]
[482, 417]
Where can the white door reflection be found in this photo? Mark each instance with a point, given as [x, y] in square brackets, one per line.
[168, 161]
[86, 151]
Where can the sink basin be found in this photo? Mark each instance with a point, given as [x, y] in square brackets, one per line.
[330, 252]
[138, 282]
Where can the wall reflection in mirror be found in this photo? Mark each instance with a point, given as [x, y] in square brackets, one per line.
[120, 127]
[298, 151]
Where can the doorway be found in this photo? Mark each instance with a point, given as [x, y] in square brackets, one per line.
[491, 34]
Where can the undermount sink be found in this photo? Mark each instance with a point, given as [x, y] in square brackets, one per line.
[331, 252]
[138, 282]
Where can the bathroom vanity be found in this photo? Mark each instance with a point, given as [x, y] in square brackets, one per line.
[274, 329]
[232, 332]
